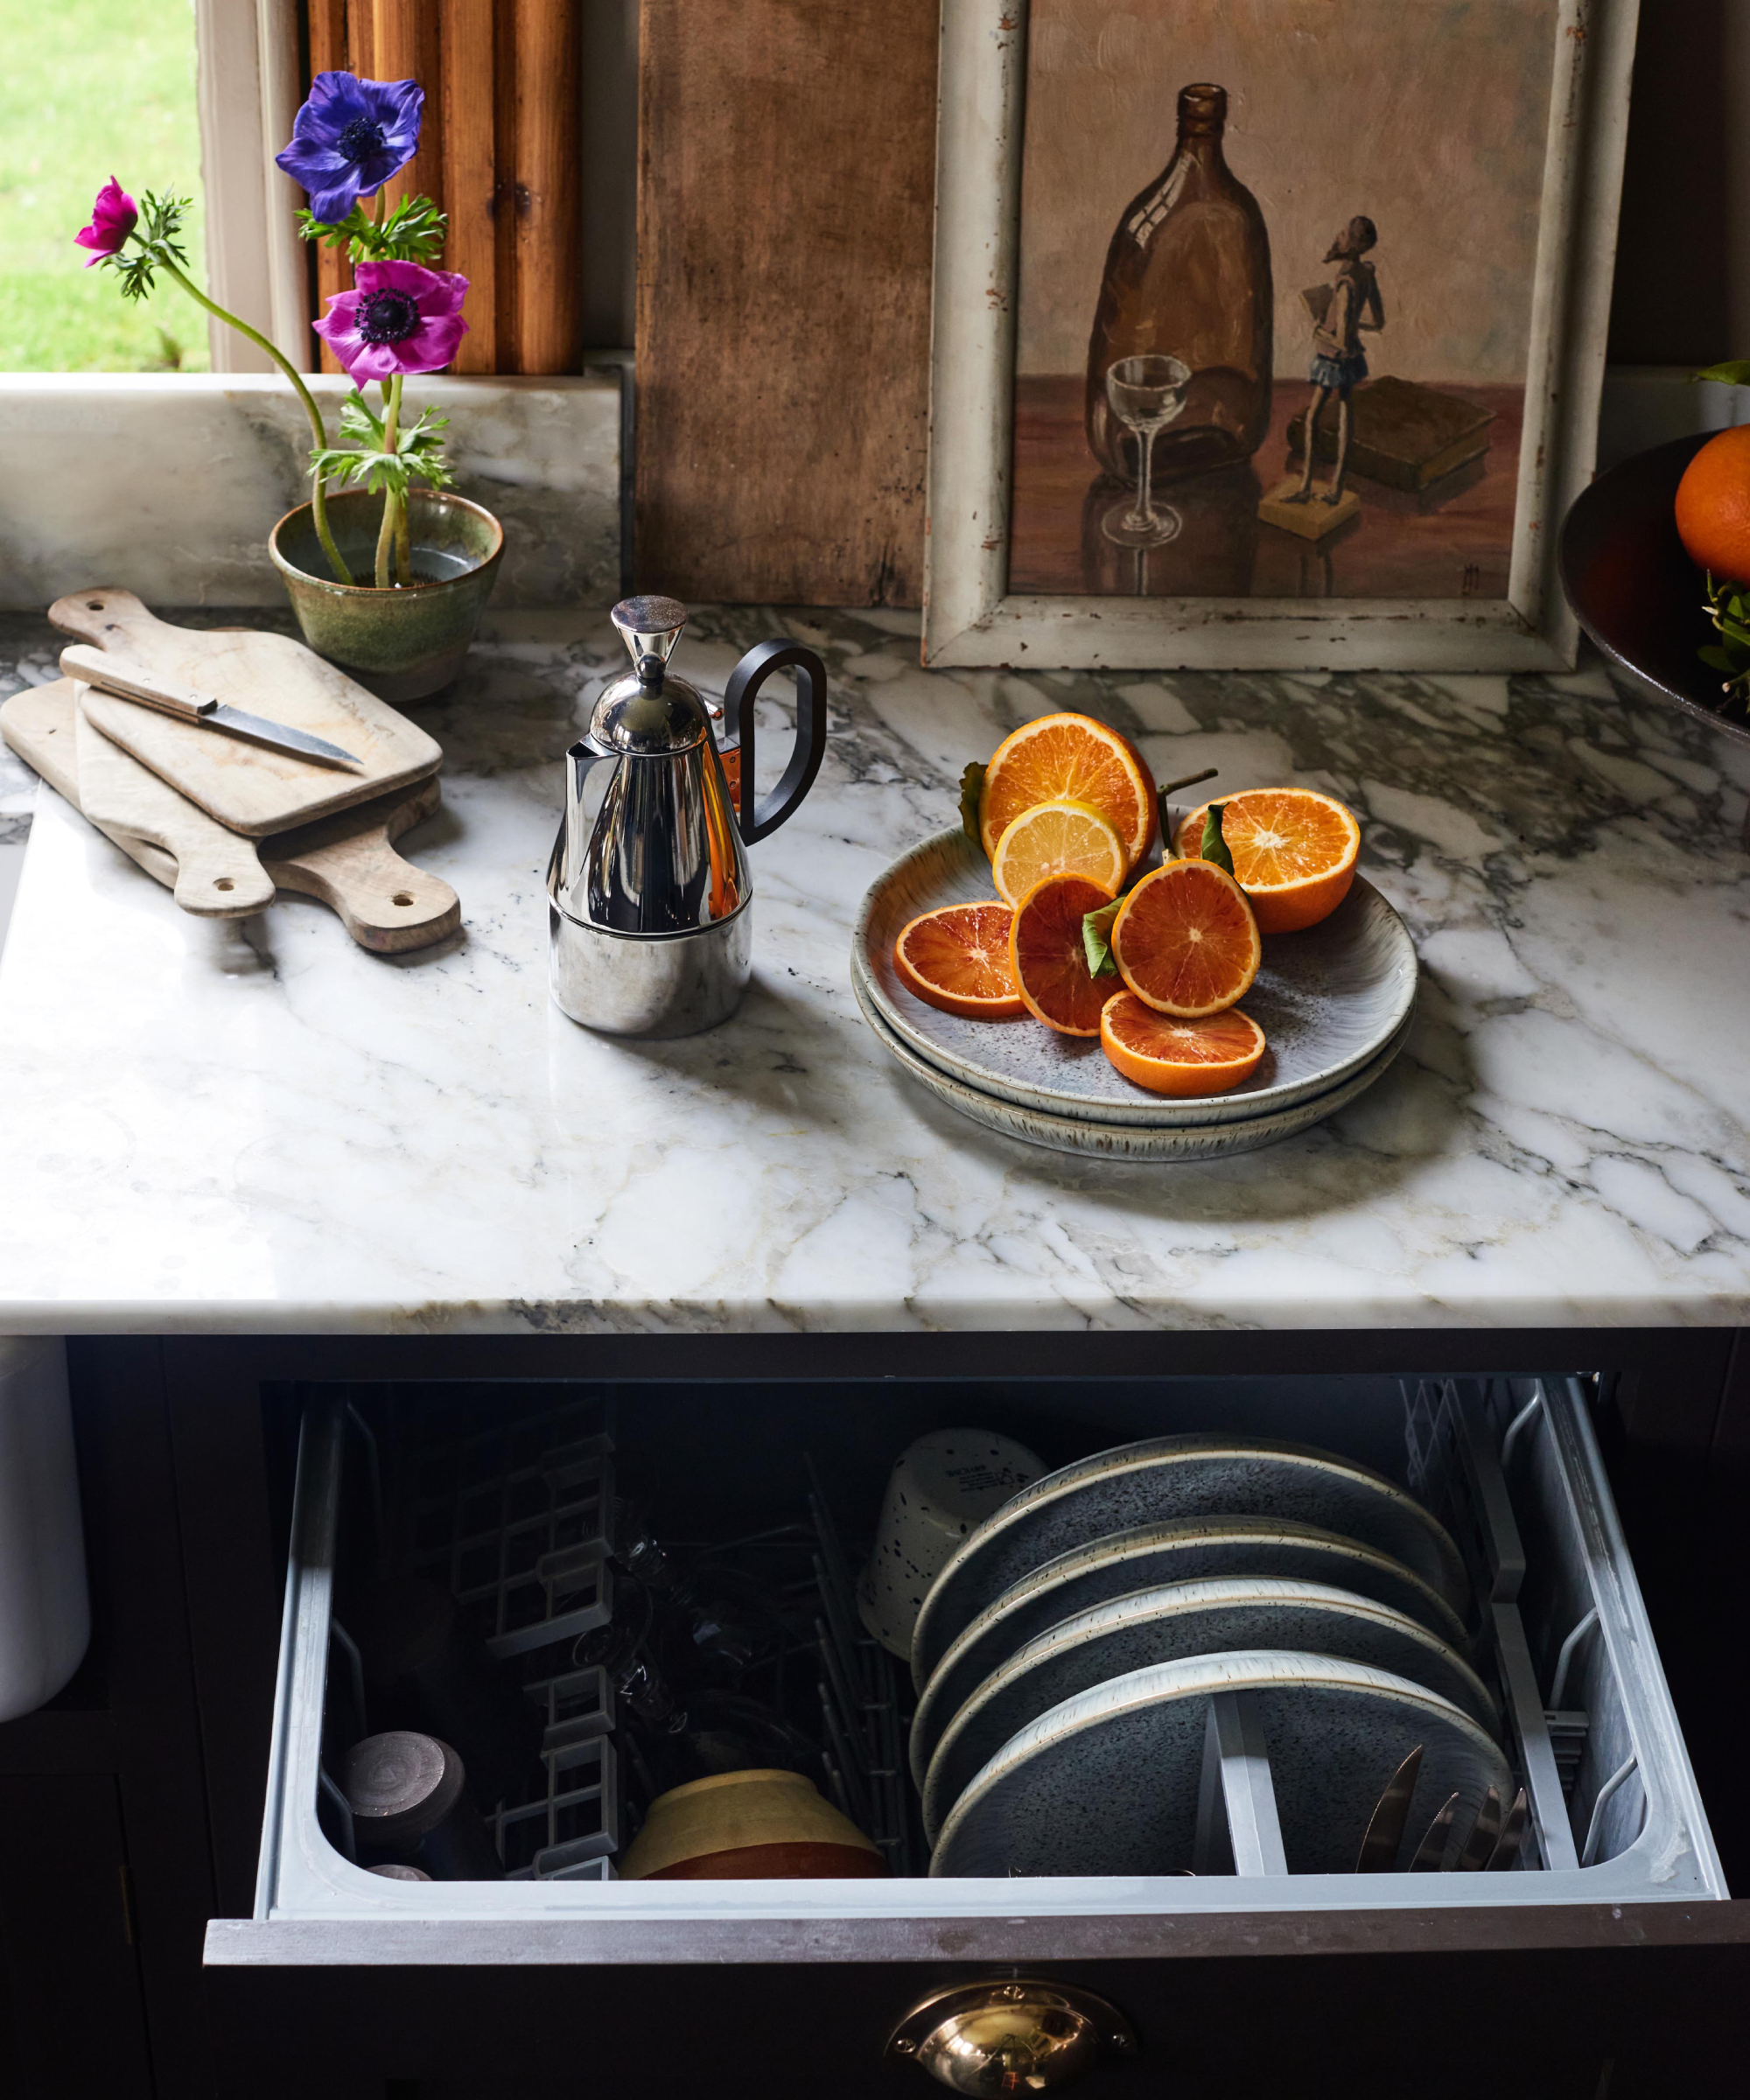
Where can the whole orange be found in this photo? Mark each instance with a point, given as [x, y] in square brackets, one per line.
[1713, 506]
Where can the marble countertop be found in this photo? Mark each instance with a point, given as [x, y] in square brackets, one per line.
[258, 1127]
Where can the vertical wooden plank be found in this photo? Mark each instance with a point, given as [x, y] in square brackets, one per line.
[404, 38]
[329, 52]
[787, 158]
[471, 170]
[547, 239]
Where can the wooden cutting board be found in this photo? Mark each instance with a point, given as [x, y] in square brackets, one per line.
[347, 860]
[219, 874]
[246, 786]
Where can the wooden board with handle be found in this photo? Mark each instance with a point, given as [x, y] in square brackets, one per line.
[347, 860]
[247, 788]
[219, 874]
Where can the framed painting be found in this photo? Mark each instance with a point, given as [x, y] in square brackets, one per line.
[1268, 334]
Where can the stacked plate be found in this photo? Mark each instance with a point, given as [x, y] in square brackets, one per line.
[1334, 1002]
[1068, 1656]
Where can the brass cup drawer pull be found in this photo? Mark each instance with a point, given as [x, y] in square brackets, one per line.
[1021, 2037]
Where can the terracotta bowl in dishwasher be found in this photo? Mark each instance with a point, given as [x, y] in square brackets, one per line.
[749, 1826]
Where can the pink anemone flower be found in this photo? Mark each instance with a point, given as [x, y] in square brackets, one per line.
[114, 216]
[399, 317]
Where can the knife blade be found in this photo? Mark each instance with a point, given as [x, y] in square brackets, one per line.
[114, 674]
[1505, 1852]
[1432, 1848]
[1385, 1833]
[1484, 1832]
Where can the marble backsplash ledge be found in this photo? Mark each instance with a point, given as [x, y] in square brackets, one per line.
[167, 483]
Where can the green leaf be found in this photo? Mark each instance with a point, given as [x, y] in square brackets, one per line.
[1734, 374]
[971, 792]
[1716, 660]
[1214, 847]
[1096, 940]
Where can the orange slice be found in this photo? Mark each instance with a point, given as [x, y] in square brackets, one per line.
[1057, 838]
[1069, 758]
[1183, 1058]
[1185, 941]
[1294, 852]
[957, 958]
[1049, 958]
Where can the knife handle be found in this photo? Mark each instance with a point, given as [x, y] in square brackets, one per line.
[116, 675]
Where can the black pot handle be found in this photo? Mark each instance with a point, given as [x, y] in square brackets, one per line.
[739, 696]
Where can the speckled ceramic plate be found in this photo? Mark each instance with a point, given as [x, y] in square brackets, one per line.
[1138, 1141]
[1107, 1782]
[1329, 1000]
[1181, 1620]
[1163, 1477]
[1148, 1557]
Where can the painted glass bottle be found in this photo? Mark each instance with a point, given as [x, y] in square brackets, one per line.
[1187, 275]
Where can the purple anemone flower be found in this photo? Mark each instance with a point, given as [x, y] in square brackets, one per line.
[399, 317]
[114, 216]
[349, 138]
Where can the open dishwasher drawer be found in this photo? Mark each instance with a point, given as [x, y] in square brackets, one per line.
[533, 1504]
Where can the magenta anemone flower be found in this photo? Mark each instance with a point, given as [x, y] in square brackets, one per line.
[399, 317]
[349, 138]
[114, 216]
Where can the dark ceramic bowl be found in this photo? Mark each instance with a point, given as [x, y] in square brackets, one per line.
[1636, 593]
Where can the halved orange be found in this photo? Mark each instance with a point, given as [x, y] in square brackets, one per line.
[1294, 852]
[1185, 941]
[1057, 838]
[957, 958]
[1049, 958]
[1182, 1058]
[1069, 758]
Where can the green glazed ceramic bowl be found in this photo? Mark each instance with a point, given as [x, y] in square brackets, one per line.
[407, 644]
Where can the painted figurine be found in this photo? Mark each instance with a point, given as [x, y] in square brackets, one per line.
[1341, 311]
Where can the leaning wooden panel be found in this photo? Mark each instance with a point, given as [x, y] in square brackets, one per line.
[786, 157]
[1179, 458]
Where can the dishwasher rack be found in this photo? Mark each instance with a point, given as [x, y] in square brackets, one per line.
[1512, 1467]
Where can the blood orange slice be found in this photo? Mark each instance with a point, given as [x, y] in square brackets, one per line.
[1294, 852]
[957, 958]
[1057, 838]
[1185, 941]
[1049, 957]
[1182, 1058]
[1069, 758]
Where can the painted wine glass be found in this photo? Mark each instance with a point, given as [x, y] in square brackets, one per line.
[1145, 392]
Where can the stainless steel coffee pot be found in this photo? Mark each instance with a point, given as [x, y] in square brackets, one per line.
[649, 902]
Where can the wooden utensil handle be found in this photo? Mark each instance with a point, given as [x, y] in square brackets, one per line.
[116, 674]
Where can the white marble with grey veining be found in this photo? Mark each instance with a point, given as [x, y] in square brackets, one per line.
[262, 1127]
[168, 483]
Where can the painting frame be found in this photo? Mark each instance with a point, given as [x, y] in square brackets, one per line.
[970, 618]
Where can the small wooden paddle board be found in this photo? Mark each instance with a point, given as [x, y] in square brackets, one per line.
[247, 788]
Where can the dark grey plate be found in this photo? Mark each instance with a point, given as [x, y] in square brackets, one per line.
[1328, 1000]
[1181, 1618]
[1107, 1782]
[1181, 1550]
[1178, 1476]
[1141, 1142]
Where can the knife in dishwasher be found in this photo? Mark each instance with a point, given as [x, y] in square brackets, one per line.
[114, 674]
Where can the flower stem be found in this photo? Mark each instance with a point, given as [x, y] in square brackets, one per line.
[318, 499]
[386, 537]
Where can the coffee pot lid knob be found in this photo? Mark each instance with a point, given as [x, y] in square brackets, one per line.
[650, 626]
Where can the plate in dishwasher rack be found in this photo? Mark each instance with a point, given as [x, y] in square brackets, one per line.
[1181, 1620]
[1123, 1141]
[1161, 1477]
[1329, 999]
[1107, 1782]
[1182, 1549]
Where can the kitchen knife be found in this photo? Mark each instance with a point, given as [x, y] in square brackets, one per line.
[1385, 1833]
[116, 674]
